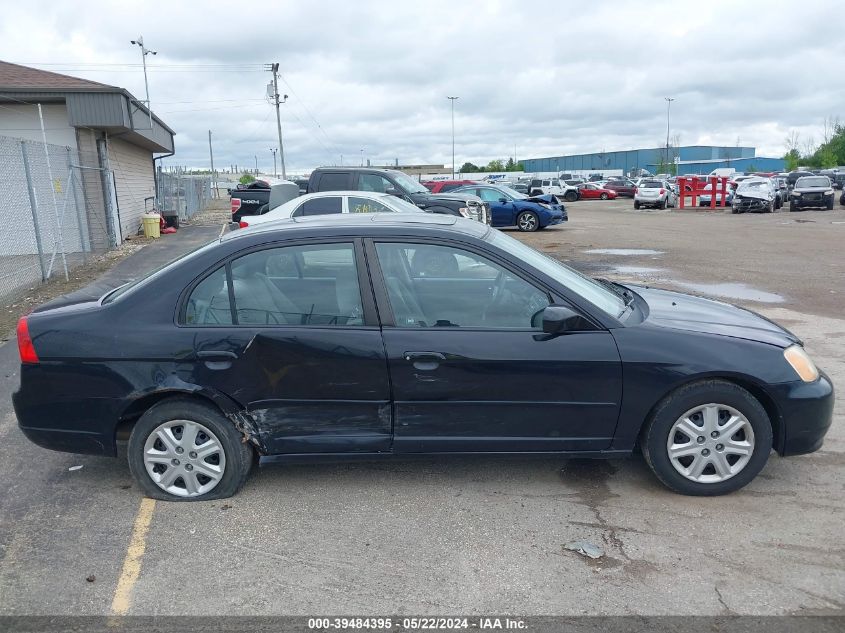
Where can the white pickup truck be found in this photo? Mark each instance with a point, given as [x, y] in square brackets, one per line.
[555, 187]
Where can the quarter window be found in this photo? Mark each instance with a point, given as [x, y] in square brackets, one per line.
[298, 285]
[443, 286]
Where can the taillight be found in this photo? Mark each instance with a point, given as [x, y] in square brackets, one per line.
[636, 190]
[236, 204]
[243, 224]
[25, 346]
[662, 191]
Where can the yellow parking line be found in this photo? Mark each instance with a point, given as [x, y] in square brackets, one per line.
[132, 563]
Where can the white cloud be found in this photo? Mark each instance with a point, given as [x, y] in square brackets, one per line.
[546, 77]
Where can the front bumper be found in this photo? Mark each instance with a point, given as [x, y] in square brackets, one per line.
[806, 410]
[750, 204]
[810, 201]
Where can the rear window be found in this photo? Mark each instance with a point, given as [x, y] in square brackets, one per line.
[651, 184]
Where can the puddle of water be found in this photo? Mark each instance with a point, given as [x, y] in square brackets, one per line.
[624, 251]
[637, 270]
[733, 291]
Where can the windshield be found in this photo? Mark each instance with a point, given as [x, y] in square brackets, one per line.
[591, 290]
[513, 193]
[403, 206]
[407, 183]
[144, 279]
[815, 181]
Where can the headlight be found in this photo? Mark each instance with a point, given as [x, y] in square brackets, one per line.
[801, 363]
[464, 212]
[797, 194]
[829, 192]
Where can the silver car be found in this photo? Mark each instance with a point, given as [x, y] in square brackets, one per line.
[654, 193]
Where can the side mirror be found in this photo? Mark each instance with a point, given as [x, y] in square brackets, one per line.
[503, 200]
[392, 192]
[560, 319]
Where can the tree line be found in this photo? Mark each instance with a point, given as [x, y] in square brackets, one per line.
[493, 165]
[829, 153]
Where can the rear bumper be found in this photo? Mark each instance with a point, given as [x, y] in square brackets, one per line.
[68, 441]
[806, 413]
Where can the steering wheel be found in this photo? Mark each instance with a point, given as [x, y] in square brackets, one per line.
[498, 292]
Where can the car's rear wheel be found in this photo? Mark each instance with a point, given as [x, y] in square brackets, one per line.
[183, 450]
[707, 438]
[527, 221]
[661, 204]
[636, 204]
[570, 196]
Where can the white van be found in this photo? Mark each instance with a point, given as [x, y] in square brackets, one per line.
[723, 172]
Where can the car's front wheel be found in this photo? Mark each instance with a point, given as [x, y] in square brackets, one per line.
[707, 438]
[528, 221]
[183, 450]
[603, 196]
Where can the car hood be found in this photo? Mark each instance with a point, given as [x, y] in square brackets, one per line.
[459, 196]
[759, 194]
[681, 311]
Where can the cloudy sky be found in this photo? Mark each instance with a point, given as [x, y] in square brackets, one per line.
[538, 78]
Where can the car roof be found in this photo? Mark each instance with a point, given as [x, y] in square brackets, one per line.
[341, 221]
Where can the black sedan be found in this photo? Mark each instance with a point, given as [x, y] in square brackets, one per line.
[386, 335]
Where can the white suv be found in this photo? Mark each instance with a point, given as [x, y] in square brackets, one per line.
[555, 187]
[654, 193]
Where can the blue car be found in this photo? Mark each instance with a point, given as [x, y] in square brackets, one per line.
[511, 208]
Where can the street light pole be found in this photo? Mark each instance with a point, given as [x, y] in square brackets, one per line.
[669, 101]
[275, 174]
[144, 52]
[362, 157]
[452, 99]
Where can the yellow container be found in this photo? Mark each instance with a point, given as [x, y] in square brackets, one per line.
[152, 225]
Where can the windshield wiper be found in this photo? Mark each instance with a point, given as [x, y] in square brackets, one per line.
[618, 289]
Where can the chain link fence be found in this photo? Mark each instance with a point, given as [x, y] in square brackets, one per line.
[182, 195]
[53, 220]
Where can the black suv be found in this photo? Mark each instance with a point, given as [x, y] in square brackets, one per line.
[399, 184]
[811, 192]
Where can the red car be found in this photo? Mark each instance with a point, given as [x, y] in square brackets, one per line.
[442, 186]
[590, 191]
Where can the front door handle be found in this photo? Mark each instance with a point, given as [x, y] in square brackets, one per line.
[425, 361]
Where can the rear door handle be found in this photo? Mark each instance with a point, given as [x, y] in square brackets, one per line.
[217, 359]
[425, 361]
[216, 353]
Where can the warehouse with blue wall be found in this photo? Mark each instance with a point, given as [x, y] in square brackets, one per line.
[690, 158]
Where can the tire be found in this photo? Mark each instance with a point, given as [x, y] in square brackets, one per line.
[536, 192]
[735, 406]
[792, 207]
[570, 196]
[661, 204]
[829, 204]
[636, 204]
[232, 453]
[603, 196]
[771, 207]
[527, 222]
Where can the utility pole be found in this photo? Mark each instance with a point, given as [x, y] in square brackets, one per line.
[275, 173]
[256, 164]
[452, 99]
[274, 68]
[362, 157]
[144, 52]
[669, 101]
[213, 173]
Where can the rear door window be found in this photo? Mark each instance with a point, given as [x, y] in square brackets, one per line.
[320, 206]
[333, 181]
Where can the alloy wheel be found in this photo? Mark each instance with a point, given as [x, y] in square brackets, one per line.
[527, 222]
[184, 458]
[710, 443]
